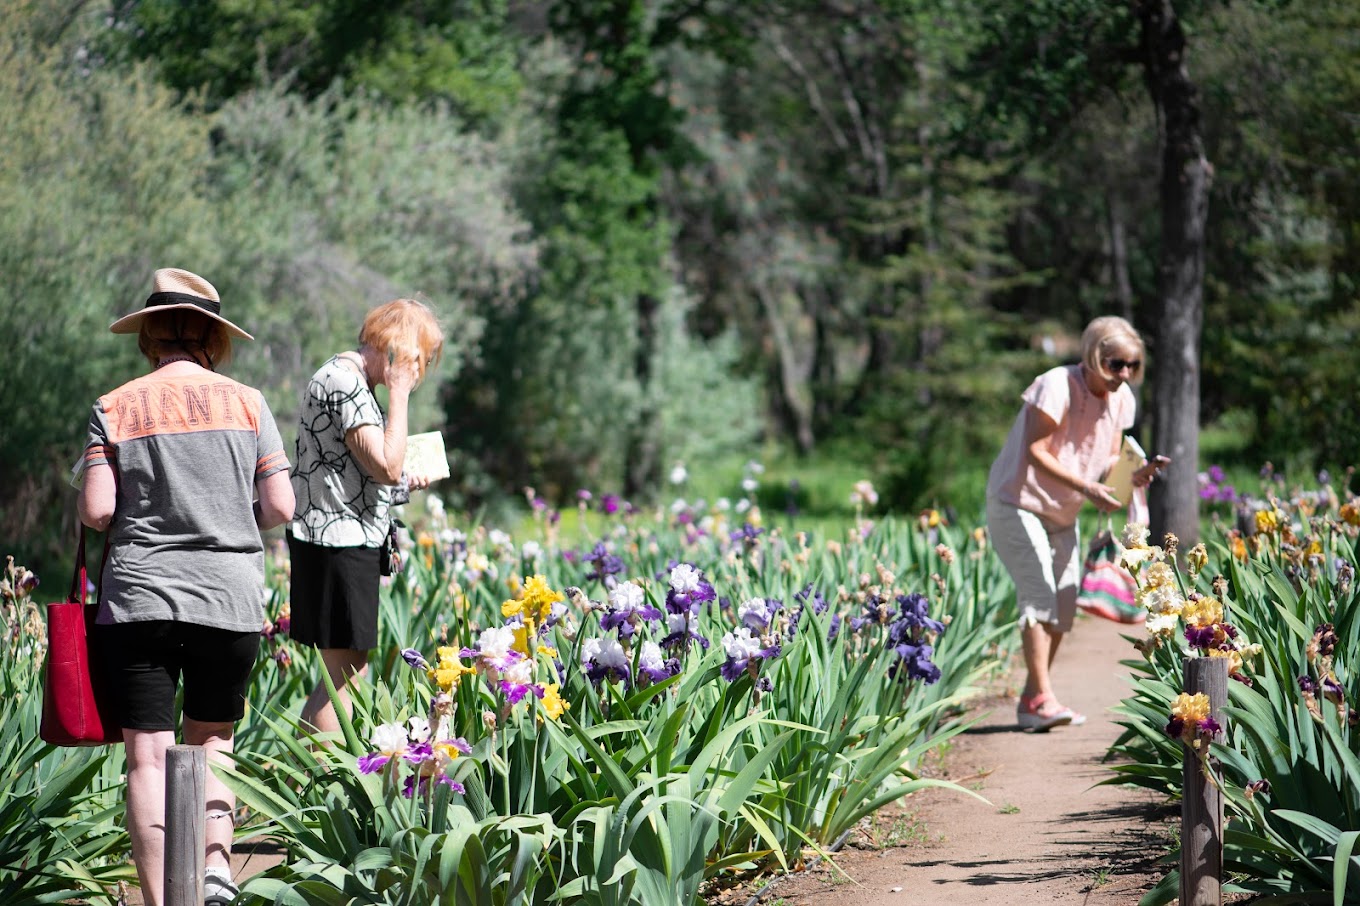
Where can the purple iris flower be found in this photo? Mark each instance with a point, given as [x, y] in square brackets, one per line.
[604, 659]
[743, 648]
[1332, 691]
[628, 608]
[603, 563]
[412, 786]
[515, 692]
[272, 629]
[610, 504]
[819, 604]
[914, 660]
[655, 666]
[756, 614]
[415, 659]
[747, 534]
[373, 762]
[835, 628]
[1201, 637]
[915, 612]
[681, 632]
[1307, 684]
[688, 589]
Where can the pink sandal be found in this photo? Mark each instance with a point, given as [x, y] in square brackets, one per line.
[1041, 713]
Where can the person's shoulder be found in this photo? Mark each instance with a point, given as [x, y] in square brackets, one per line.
[1127, 399]
[238, 386]
[106, 399]
[335, 375]
[1058, 376]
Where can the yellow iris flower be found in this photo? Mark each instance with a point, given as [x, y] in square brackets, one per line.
[1191, 708]
[553, 702]
[535, 601]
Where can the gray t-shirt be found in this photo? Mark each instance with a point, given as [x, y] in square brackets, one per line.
[338, 504]
[186, 451]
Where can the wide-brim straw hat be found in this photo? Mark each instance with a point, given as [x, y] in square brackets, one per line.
[174, 288]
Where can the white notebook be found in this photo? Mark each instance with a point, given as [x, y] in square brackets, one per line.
[425, 455]
[1131, 459]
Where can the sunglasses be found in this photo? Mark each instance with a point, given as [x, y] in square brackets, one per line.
[1118, 365]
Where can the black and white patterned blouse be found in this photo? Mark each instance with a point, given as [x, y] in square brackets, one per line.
[338, 504]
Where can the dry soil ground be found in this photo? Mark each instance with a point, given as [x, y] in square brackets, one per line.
[1047, 833]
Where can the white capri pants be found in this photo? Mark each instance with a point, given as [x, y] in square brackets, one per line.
[1042, 561]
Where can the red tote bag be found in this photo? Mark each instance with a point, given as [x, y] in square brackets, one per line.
[72, 715]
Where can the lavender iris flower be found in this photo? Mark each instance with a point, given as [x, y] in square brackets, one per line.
[655, 666]
[603, 563]
[819, 604]
[604, 659]
[628, 608]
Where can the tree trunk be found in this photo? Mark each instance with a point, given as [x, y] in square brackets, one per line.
[1121, 287]
[794, 357]
[1186, 176]
[642, 463]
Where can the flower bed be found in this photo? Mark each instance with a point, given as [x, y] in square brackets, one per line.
[633, 717]
[1280, 605]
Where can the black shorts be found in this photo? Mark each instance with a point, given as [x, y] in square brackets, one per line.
[334, 593]
[143, 664]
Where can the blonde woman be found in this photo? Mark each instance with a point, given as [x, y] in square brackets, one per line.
[183, 467]
[348, 461]
[1062, 443]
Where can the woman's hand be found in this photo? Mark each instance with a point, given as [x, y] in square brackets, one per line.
[1102, 495]
[401, 374]
[417, 482]
[1150, 470]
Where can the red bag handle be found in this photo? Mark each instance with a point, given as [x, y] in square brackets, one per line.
[80, 578]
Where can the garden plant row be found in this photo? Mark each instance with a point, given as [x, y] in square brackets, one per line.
[1275, 595]
[681, 699]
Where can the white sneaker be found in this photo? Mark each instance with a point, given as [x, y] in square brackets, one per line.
[217, 888]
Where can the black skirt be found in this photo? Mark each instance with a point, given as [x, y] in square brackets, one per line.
[334, 595]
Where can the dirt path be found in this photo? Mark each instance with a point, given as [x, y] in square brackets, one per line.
[1047, 836]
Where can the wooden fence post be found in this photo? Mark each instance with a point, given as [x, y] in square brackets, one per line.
[186, 796]
[1202, 802]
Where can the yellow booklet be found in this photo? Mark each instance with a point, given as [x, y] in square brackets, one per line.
[1120, 477]
[425, 455]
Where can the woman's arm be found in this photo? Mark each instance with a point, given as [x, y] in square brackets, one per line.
[381, 451]
[276, 501]
[98, 496]
[1039, 427]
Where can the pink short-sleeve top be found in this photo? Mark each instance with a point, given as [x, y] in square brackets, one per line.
[1087, 428]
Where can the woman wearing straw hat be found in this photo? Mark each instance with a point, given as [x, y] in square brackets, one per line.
[348, 460]
[184, 467]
